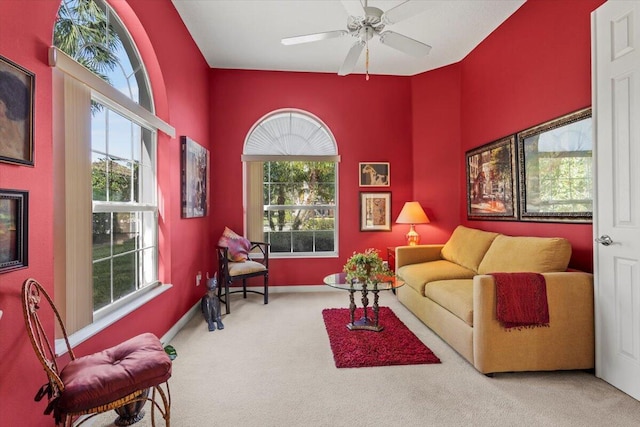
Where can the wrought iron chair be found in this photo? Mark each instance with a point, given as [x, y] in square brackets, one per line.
[96, 383]
[229, 271]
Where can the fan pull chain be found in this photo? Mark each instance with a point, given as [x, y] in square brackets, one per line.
[367, 62]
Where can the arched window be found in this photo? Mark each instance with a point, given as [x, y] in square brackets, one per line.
[291, 182]
[106, 144]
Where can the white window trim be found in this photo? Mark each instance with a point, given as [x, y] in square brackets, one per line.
[253, 182]
[74, 87]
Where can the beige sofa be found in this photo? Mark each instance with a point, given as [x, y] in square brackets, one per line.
[449, 289]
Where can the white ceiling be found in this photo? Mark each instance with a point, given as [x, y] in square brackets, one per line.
[246, 34]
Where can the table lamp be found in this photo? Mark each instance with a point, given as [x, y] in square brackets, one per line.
[412, 213]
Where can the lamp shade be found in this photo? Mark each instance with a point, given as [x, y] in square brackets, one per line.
[412, 213]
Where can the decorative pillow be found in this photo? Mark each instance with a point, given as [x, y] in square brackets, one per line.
[467, 246]
[239, 247]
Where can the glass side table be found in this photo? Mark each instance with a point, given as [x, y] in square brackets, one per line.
[385, 283]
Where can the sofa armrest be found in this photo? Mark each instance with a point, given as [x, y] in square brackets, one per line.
[416, 254]
[568, 342]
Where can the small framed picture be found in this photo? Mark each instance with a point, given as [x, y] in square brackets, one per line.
[195, 179]
[13, 229]
[16, 113]
[374, 174]
[375, 211]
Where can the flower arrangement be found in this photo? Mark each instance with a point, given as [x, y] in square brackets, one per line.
[366, 267]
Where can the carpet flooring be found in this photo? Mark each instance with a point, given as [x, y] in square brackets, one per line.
[394, 345]
[272, 366]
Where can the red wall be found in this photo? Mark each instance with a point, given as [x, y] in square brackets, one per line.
[533, 68]
[180, 80]
[371, 121]
[436, 144]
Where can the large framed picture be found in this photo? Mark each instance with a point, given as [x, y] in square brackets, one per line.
[374, 174]
[375, 211]
[16, 113]
[491, 181]
[555, 169]
[14, 210]
[195, 179]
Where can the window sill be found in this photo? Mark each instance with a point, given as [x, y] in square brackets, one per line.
[293, 255]
[89, 331]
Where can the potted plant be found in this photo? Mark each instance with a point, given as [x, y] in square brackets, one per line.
[366, 267]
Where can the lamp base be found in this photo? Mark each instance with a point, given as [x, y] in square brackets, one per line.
[413, 238]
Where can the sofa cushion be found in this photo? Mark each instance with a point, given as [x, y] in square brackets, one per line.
[418, 275]
[467, 246]
[454, 295]
[520, 254]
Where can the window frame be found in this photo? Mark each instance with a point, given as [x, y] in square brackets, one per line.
[255, 153]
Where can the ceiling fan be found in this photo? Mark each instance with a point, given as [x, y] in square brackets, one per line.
[367, 22]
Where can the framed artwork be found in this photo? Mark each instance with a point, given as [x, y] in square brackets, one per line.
[14, 210]
[374, 174]
[491, 181]
[195, 179]
[16, 113]
[375, 211]
[555, 170]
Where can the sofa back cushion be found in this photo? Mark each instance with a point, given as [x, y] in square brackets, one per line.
[467, 246]
[520, 254]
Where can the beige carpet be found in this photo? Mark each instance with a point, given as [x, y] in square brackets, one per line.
[272, 366]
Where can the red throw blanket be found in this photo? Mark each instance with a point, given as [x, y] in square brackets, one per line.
[521, 300]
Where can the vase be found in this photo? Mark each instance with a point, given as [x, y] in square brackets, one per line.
[132, 412]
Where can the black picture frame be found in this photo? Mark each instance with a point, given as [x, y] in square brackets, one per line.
[195, 179]
[14, 214]
[17, 91]
[375, 211]
[491, 181]
[555, 162]
[374, 174]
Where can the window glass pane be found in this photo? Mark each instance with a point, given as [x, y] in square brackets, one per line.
[280, 241]
[324, 241]
[99, 129]
[101, 235]
[125, 232]
[303, 241]
[124, 275]
[99, 176]
[121, 134]
[120, 181]
[101, 284]
[299, 199]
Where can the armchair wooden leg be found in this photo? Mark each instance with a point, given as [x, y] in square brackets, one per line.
[244, 288]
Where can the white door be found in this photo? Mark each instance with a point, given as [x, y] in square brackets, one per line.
[616, 225]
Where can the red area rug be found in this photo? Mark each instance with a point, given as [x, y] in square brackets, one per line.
[394, 345]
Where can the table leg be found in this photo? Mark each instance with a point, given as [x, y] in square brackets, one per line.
[352, 305]
[376, 308]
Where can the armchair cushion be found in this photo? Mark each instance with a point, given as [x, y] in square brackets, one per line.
[239, 246]
[101, 378]
[247, 267]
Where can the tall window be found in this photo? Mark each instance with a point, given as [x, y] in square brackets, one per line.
[110, 162]
[293, 157]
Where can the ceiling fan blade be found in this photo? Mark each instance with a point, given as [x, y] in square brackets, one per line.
[404, 44]
[353, 7]
[352, 58]
[403, 11]
[313, 37]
